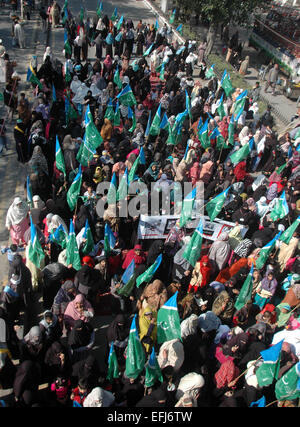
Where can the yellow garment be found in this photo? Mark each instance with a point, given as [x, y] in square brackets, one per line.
[97, 175]
[144, 323]
[286, 252]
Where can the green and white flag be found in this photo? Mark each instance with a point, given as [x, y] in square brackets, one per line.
[149, 273]
[131, 115]
[113, 370]
[117, 116]
[165, 125]
[288, 387]
[59, 158]
[74, 190]
[126, 97]
[203, 135]
[92, 136]
[242, 153]
[155, 125]
[187, 207]
[135, 355]
[117, 79]
[193, 250]
[214, 206]
[168, 321]
[89, 241]
[281, 168]
[153, 371]
[280, 209]
[59, 237]
[109, 112]
[85, 153]
[112, 191]
[132, 172]
[268, 371]
[172, 17]
[265, 252]
[114, 16]
[288, 233]
[231, 127]
[35, 250]
[226, 84]
[72, 252]
[210, 72]
[220, 107]
[246, 292]
[122, 191]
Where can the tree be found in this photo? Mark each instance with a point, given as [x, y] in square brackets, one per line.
[217, 12]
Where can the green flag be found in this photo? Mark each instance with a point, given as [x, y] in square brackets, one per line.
[59, 237]
[265, 252]
[114, 15]
[126, 97]
[122, 191]
[226, 84]
[168, 321]
[172, 17]
[288, 233]
[35, 250]
[135, 355]
[231, 131]
[59, 158]
[246, 292]
[109, 112]
[89, 241]
[280, 208]
[220, 108]
[187, 208]
[74, 190]
[117, 79]
[269, 369]
[242, 153]
[193, 250]
[113, 370]
[287, 388]
[214, 206]
[112, 191]
[117, 117]
[72, 252]
[280, 169]
[155, 125]
[85, 153]
[131, 115]
[203, 135]
[31, 77]
[132, 172]
[153, 372]
[92, 136]
[149, 273]
[210, 72]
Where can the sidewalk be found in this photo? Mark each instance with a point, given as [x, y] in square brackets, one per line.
[282, 107]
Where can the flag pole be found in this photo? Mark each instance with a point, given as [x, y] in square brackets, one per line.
[233, 382]
[269, 404]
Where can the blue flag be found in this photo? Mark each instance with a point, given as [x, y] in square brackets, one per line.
[109, 239]
[142, 156]
[179, 28]
[148, 125]
[260, 403]
[53, 93]
[128, 273]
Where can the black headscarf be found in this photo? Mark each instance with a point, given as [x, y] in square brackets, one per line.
[155, 249]
[87, 369]
[80, 334]
[118, 329]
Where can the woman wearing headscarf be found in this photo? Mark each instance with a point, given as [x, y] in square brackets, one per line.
[200, 275]
[107, 65]
[81, 339]
[147, 328]
[118, 334]
[17, 220]
[286, 252]
[155, 250]
[137, 254]
[265, 290]
[194, 173]
[156, 399]
[26, 384]
[240, 171]
[223, 307]
[33, 347]
[86, 282]
[78, 309]
[88, 369]
[262, 207]
[57, 362]
[38, 162]
[106, 130]
[206, 171]
[219, 252]
[151, 174]
[7, 368]
[50, 328]
[99, 398]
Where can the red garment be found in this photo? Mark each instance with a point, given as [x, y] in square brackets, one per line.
[228, 272]
[270, 308]
[138, 259]
[240, 171]
[227, 373]
[89, 261]
[205, 270]
[79, 397]
[194, 173]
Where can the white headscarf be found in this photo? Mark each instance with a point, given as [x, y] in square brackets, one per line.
[55, 222]
[17, 212]
[80, 93]
[98, 398]
[262, 206]
[75, 84]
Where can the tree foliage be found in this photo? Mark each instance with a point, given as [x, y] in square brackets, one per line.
[221, 11]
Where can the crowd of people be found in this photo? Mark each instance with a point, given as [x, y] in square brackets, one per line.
[214, 362]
